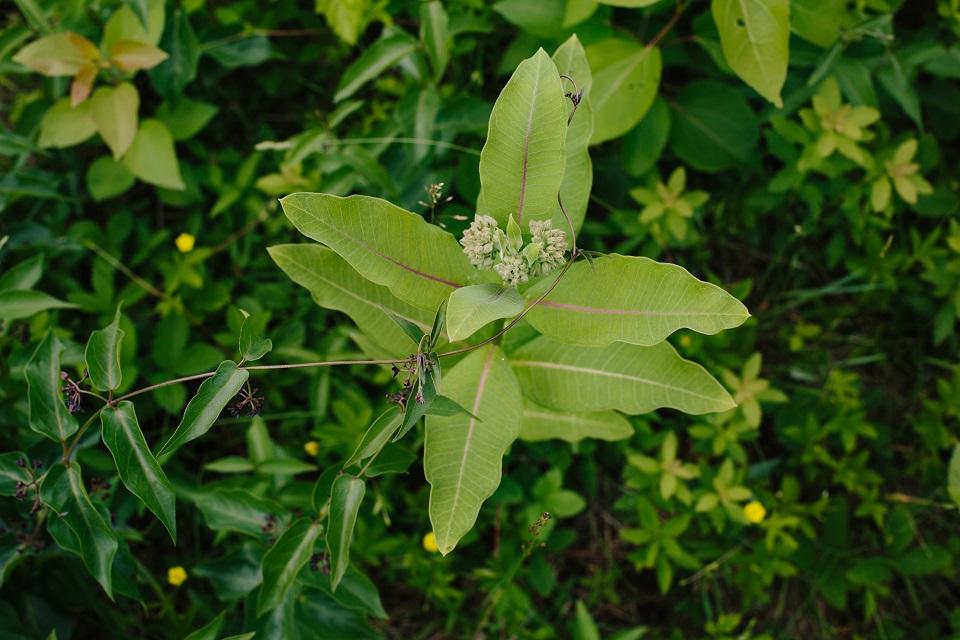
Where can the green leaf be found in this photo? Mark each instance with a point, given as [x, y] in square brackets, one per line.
[540, 423]
[65, 126]
[11, 473]
[377, 58]
[420, 263]
[592, 306]
[63, 491]
[471, 308]
[586, 628]
[139, 470]
[626, 76]
[205, 407]
[48, 414]
[755, 36]
[521, 164]
[444, 406]
[123, 24]
[23, 275]
[818, 21]
[644, 143]
[713, 127]
[151, 156]
[133, 55]
[376, 436]
[114, 110]
[953, 475]
[185, 117]
[209, 631]
[334, 284]
[252, 345]
[356, 591]
[283, 562]
[102, 356]
[571, 60]
[16, 304]
[625, 377]
[171, 76]
[345, 498]
[230, 464]
[236, 510]
[285, 466]
[60, 54]
[462, 457]
[435, 36]
[106, 178]
[544, 18]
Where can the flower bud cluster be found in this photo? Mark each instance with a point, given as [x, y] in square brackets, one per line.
[489, 247]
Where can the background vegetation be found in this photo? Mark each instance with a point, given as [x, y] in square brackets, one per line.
[825, 505]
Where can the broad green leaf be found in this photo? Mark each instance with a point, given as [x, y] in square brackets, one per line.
[953, 475]
[209, 631]
[356, 591]
[644, 143]
[521, 164]
[755, 36]
[626, 76]
[625, 377]
[16, 304]
[462, 456]
[471, 308]
[185, 117]
[571, 60]
[61, 54]
[347, 18]
[133, 55]
[102, 356]
[631, 299]
[586, 628]
[544, 18]
[376, 436]
[151, 156]
[345, 498]
[139, 470]
[818, 21]
[64, 125]
[435, 36]
[540, 423]
[106, 178]
[23, 275]
[114, 110]
[63, 491]
[283, 562]
[251, 343]
[334, 284]
[420, 263]
[377, 58]
[171, 76]
[713, 126]
[124, 24]
[48, 414]
[11, 472]
[202, 411]
[236, 510]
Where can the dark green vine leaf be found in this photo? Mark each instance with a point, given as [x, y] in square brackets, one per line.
[346, 496]
[11, 472]
[284, 561]
[102, 356]
[210, 630]
[48, 413]
[138, 469]
[376, 436]
[16, 304]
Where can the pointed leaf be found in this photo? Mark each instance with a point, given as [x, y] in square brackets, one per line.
[132, 55]
[205, 407]
[139, 470]
[151, 156]
[540, 423]
[251, 343]
[462, 457]
[48, 414]
[571, 60]
[521, 164]
[236, 510]
[102, 356]
[334, 284]
[345, 498]
[114, 110]
[420, 263]
[377, 58]
[63, 491]
[61, 54]
[23, 275]
[755, 37]
[626, 76]
[625, 377]
[64, 125]
[376, 436]
[435, 35]
[592, 305]
[16, 304]
[209, 631]
[283, 562]
[469, 309]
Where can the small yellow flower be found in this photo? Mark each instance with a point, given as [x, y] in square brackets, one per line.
[176, 575]
[312, 448]
[685, 341]
[430, 542]
[185, 242]
[755, 512]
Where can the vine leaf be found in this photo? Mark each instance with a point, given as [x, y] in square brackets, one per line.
[48, 415]
[138, 469]
[521, 163]
[376, 436]
[462, 457]
[202, 411]
[755, 37]
[283, 562]
[471, 308]
[592, 305]
[345, 498]
[629, 378]
[102, 356]
[419, 263]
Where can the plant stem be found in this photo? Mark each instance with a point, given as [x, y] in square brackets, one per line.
[667, 27]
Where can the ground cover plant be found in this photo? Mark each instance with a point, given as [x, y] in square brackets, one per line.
[406, 319]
